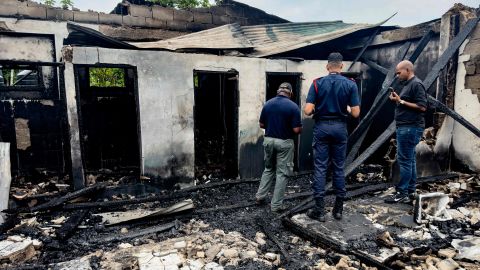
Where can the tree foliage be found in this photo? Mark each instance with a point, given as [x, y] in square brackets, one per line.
[183, 4]
[63, 3]
[107, 77]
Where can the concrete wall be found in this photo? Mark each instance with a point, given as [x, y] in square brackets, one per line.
[467, 101]
[165, 84]
[58, 29]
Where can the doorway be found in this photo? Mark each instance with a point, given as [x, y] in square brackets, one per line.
[274, 79]
[216, 124]
[108, 109]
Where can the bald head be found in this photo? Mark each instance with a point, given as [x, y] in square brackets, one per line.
[404, 70]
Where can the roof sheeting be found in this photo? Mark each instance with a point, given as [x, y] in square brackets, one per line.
[260, 40]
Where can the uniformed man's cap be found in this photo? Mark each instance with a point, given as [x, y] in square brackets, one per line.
[285, 86]
[335, 57]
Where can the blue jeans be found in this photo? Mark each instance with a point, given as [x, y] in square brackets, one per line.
[329, 144]
[407, 140]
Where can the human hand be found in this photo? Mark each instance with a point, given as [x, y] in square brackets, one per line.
[394, 97]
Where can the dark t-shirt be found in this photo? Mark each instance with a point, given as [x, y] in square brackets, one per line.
[331, 95]
[414, 92]
[280, 115]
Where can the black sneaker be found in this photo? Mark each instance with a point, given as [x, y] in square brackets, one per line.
[260, 202]
[398, 198]
[412, 196]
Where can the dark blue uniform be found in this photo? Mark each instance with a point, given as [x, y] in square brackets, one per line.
[331, 95]
[280, 115]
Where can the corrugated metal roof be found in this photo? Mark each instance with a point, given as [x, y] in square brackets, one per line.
[260, 40]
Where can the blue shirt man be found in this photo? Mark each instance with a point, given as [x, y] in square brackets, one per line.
[330, 100]
[281, 119]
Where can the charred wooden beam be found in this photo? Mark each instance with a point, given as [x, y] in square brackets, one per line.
[69, 227]
[450, 51]
[368, 43]
[175, 195]
[371, 149]
[70, 196]
[464, 122]
[374, 65]
[268, 232]
[115, 237]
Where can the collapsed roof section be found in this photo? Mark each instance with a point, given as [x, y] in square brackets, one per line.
[252, 41]
[261, 40]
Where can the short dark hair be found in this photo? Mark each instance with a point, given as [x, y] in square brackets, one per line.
[335, 58]
[285, 87]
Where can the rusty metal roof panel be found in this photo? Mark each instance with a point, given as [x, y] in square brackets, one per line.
[261, 40]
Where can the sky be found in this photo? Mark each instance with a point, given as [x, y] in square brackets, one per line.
[410, 12]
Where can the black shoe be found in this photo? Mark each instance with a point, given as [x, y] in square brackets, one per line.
[412, 196]
[280, 209]
[318, 211]
[259, 202]
[337, 211]
[398, 198]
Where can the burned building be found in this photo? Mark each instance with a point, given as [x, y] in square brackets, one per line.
[187, 107]
[155, 97]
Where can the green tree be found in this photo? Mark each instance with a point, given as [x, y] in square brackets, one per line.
[63, 3]
[107, 77]
[183, 4]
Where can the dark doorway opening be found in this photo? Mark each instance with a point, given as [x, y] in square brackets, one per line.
[216, 123]
[274, 79]
[109, 129]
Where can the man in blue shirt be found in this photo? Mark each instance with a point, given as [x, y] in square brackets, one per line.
[330, 100]
[281, 119]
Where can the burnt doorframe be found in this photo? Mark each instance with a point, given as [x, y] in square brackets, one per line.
[81, 128]
[297, 99]
[235, 153]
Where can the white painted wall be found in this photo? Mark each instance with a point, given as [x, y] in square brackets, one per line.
[59, 29]
[166, 97]
[465, 143]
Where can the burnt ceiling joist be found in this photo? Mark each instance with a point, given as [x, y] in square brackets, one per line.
[83, 36]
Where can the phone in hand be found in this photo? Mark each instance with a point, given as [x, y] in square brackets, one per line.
[391, 89]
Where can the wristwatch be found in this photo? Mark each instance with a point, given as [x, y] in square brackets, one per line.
[402, 101]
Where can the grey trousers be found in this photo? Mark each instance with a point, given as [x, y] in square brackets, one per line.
[278, 156]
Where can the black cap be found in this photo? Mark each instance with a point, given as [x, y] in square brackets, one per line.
[285, 85]
[335, 57]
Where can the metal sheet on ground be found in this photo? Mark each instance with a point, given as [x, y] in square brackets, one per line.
[362, 218]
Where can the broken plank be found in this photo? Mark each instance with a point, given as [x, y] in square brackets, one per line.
[175, 195]
[368, 43]
[268, 232]
[115, 237]
[450, 51]
[375, 66]
[69, 227]
[371, 149]
[460, 119]
[113, 218]
[70, 196]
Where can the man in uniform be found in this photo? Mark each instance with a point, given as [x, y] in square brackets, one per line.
[330, 100]
[281, 119]
[411, 104]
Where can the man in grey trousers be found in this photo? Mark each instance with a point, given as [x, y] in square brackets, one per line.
[281, 120]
